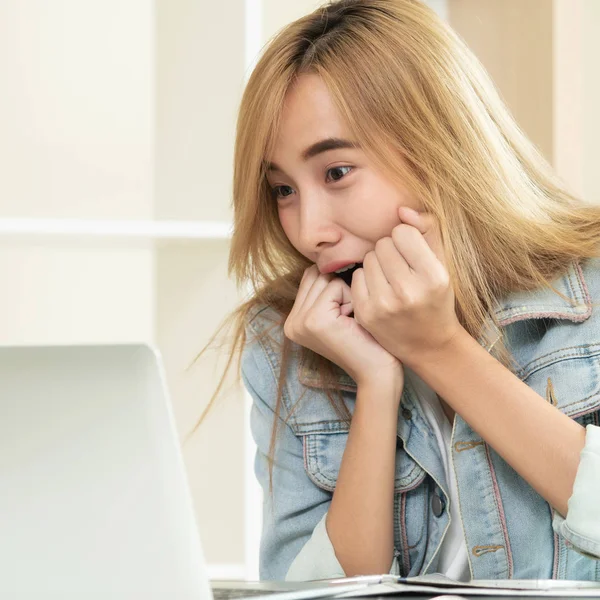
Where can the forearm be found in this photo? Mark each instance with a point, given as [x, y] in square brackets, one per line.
[360, 518]
[538, 441]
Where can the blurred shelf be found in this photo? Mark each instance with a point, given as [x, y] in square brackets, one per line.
[144, 230]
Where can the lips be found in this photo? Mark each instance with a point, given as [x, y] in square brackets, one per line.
[346, 276]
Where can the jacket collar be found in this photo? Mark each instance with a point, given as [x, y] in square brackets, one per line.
[545, 303]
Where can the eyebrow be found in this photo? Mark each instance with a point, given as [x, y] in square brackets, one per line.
[318, 148]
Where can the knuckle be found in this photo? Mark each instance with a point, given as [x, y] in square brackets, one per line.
[440, 282]
[311, 323]
[387, 305]
[366, 315]
[288, 331]
[410, 298]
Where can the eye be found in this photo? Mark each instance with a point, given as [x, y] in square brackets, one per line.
[338, 172]
[281, 191]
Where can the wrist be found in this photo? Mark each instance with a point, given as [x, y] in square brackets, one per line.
[388, 377]
[388, 388]
[434, 355]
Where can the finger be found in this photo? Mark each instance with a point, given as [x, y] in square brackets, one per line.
[412, 247]
[316, 289]
[347, 308]
[359, 290]
[394, 267]
[429, 228]
[375, 279]
[310, 276]
[335, 296]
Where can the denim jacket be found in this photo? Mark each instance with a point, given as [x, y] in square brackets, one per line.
[510, 530]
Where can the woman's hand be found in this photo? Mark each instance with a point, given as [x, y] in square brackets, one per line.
[319, 321]
[402, 295]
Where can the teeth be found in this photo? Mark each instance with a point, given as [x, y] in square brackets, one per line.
[346, 268]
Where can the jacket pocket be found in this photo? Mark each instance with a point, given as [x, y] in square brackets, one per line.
[324, 445]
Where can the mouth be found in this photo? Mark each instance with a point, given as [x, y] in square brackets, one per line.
[345, 273]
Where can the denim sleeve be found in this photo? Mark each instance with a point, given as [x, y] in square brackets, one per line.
[295, 506]
[581, 527]
[294, 543]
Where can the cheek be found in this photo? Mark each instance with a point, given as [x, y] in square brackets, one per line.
[288, 224]
[373, 209]
[372, 217]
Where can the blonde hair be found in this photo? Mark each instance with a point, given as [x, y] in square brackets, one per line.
[425, 111]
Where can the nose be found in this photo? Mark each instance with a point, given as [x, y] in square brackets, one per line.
[318, 225]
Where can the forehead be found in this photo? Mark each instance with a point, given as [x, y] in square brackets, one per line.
[309, 114]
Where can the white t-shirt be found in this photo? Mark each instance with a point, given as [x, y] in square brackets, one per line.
[453, 561]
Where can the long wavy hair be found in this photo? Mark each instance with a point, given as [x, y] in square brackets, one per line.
[425, 111]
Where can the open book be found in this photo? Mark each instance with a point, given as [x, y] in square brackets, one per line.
[436, 584]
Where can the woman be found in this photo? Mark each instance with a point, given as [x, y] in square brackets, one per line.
[435, 408]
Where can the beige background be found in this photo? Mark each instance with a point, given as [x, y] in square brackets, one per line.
[125, 110]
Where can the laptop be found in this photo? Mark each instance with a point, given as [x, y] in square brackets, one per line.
[94, 500]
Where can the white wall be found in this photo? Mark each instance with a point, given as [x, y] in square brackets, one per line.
[542, 55]
[77, 122]
[77, 118]
[591, 100]
[200, 71]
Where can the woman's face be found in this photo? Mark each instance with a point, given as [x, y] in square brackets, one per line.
[333, 204]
